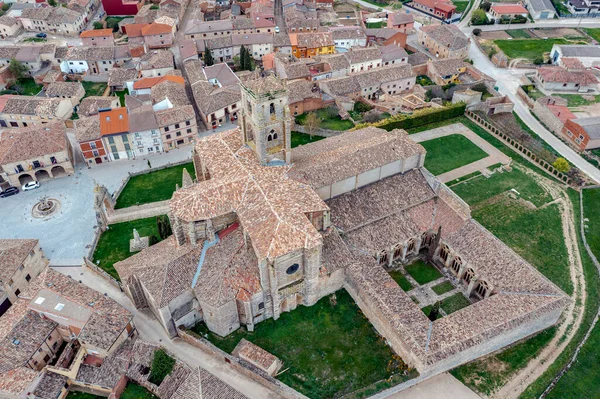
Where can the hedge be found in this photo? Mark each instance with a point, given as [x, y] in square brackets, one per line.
[419, 118]
[162, 365]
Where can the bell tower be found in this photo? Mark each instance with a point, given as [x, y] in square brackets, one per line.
[265, 119]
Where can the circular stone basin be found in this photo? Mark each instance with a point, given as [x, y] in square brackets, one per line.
[45, 208]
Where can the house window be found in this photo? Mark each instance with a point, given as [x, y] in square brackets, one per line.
[168, 136]
[292, 269]
[177, 126]
[166, 129]
[187, 123]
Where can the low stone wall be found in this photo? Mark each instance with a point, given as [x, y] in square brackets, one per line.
[319, 132]
[515, 145]
[526, 99]
[90, 265]
[552, 122]
[139, 212]
[239, 365]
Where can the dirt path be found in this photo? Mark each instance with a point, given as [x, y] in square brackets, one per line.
[572, 317]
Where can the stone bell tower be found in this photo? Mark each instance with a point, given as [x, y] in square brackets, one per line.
[265, 119]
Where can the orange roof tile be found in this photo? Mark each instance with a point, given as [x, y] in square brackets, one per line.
[509, 9]
[96, 33]
[134, 30]
[146, 83]
[156, 29]
[114, 121]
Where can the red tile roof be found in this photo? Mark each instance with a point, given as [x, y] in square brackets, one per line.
[156, 29]
[509, 9]
[146, 83]
[114, 121]
[134, 30]
[96, 33]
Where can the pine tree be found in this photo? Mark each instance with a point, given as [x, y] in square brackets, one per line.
[247, 61]
[243, 58]
[208, 59]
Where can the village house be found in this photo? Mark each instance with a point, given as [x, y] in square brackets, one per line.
[21, 261]
[118, 78]
[87, 134]
[393, 55]
[588, 55]
[401, 21]
[441, 9]
[300, 19]
[114, 130]
[216, 92]
[258, 44]
[27, 111]
[304, 97]
[144, 85]
[43, 153]
[90, 105]
[455, 70]
[154, 35]
[144, 133]
[444, 41]
[583, 133]
[308, 45]
[540, 9]
[33, 57]
[289, 67]
[156, 63]
[58, 20]
[91, 60]
[507, 11]
[582, 6]
[9, 26]
[73, 91]
[379, 35]
[97, 37]
[195, 29]
[348, 37]
[554, 78]
[364, 59]
[168, 94]
[177, 126]
[292, 235]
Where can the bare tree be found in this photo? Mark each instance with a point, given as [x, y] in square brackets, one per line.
[312, 123]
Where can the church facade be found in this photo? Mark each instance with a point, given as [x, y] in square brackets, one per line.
[266, 228]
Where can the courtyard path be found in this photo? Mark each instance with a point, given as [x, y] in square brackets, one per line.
[150, 330]
[139, 212]
[494, 155]
[573, 315]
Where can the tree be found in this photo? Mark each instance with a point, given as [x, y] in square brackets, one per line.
[479, 17]
[312, 123]
[164, 226]
[152, 240]
[562, 165]
[162, 365]
[98, 25]
[17, 69]
[154, 7]
[434, 312]
[486, 5]
[247, 61]
[243, 58]
[6, 6]
[477, 31]
[539, 60]
[52, 3]
[208, 59]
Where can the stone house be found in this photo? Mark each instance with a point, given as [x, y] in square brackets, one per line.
[258, 44]
[59, 20]
[348, 37]
[258, 357]
[364, 59]
[444, 41]
[144, 131]
[73, 91]
[24, 111]
[97, 37]
[93, 60]
[118, 78]
[401, 21]
[440, 9]
[87, 134]
[114, 130]
[21, 261]
[9, 26]
[379, 35]
[252, 239]
[308, 45]
[91, 105]
[37, 152]
[304, 97]
[33, 57]
[393, 55]
[157, 63]
[583, 133]
[177, 126]
[168, 94]
[553, 79]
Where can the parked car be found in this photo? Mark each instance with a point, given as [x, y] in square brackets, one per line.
[30, 186]
[277, 29]
[41, 35]
[9, 191]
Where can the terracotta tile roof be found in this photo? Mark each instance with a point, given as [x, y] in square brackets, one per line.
[175, 92]
[509, 9]
[446, 35]
[254, 354]
[156, 29]
[30, 142]
[201, 384]
[118, 76]
[96, 33]
[300, 90]
[65, 89]
[13, 253]
[571, 63]
[15, 381]
[177, 114]
[157, 59]
[7, 21]
[359, 55]
[114, 121]
[312, 40]
[211, 97]
[134, 30]
[400, 18]
[561, 75]
[348, 33]
[50, 386]
[87, 129]
[146, 83]
[90, 105]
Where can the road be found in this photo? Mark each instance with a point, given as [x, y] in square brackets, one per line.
[150, 330]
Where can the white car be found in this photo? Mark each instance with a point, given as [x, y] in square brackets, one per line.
[30, 186]
[277, 29]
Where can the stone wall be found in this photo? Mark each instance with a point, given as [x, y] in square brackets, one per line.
[546, 116]
[526, 99]
[240, 366]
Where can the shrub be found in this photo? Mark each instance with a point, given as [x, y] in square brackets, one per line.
[479, 17]
[164, 226]
[6, 6]
[162, 365]
[562, 165]
[152, 240]
[434, 312]
[419, 118]
[361, 107]
[477, 31]
[486, 5]
[539, 60]
[98, 25]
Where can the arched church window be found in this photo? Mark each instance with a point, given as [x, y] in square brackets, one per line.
[456, 263]
[482, 288]
[269, 137]
[272, 108]
[275, 136]
[293, 268]
[469, 275]
[383, 257]
[444, 253]
[398, 251]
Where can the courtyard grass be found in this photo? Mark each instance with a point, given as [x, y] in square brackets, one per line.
[442, 288]
[527, 48]
[375, 25]
[330, 348]
[83, 395]
[401, 280]
[518, 33]
[450, 152]
[121, 94]
[93, 88]
[26, 87]
[113, 245]
[594, 33]
[299, 138]
[454, 303]
[422, 272]
[328, 121]
[154, 186]
[135, 391]
[576, 100]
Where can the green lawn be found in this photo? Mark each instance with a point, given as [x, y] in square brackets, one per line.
[153, 186]
[535, 234]
[488, 374]
[593, 32]
[330, 348]
[424, 80]
[121, 94]
[299, 138]
[375, 25]
[422, 272]
[518, 33]
[442, 288]
[327, 120]
[591, 206]
[401, 280]
[560, 7]
[576, 100]
[135, 391]
[527, 48]
[35, 40]
[454, 303]
[113, 245]
[461, 6]
[94, 88]
[83, 395]
[450, 152]
[26, 87]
